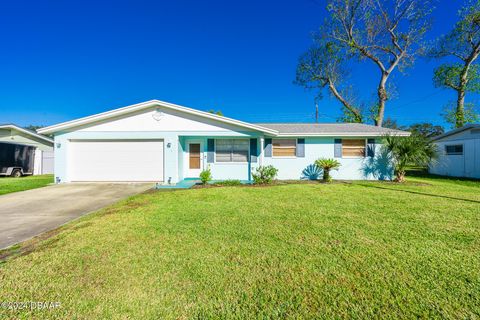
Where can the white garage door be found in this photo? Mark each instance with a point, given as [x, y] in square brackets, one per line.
[117, 160]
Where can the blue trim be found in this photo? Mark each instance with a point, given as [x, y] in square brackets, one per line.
[268, 147]
[337, 148]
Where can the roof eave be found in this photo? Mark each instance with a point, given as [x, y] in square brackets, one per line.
[455, 131]
[344, 134]
[25, 131]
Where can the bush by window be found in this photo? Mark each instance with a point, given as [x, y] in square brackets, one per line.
[264, 174]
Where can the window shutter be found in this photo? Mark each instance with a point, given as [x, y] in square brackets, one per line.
[371, 148]
[301, 148]
[268, 147]
[210, 150]
[337, 151]
[253, 150]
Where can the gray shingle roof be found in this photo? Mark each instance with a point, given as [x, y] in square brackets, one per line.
[330, 128]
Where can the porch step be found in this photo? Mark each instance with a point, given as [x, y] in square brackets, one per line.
[184, 184]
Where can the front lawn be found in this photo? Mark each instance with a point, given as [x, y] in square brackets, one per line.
[8, 185]
[349, 250]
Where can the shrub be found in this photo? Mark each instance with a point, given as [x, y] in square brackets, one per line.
[229, 183]
[206, 176]
[415, 149]
[327, 165]
[264, 174]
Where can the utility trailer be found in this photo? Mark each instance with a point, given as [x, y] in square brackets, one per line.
[16, 160]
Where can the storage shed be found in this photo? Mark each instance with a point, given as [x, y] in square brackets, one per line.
[459, 153]
[26, 144]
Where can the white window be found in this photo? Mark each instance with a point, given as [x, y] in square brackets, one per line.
[284, 147]
[456, 149]
[231, 150]
[353, 148]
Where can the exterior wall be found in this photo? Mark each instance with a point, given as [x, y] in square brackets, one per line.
[221, 170]
[294, 168]
[62, 152]
[181, 155]
[465, 165]
[48, 159]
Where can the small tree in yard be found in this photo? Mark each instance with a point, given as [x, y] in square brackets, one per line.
[206, 176]
[405, 151]
[327, 165]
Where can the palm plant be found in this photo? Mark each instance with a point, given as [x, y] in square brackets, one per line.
[412, 150]
[327, 165]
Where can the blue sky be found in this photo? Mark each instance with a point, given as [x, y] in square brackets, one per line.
[61, 60]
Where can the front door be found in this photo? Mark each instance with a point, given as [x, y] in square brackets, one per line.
[194, 160]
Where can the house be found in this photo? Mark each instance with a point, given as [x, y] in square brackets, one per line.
[40, 148]
[459, 151]
[163, 142]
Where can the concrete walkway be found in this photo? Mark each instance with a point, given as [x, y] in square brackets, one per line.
[26, 214]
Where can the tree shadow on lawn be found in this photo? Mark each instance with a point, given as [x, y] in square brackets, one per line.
[419, 193]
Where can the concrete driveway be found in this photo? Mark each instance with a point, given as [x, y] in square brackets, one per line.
[26, 214]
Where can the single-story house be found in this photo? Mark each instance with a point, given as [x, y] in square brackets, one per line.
[13, 137]
[163, 142]
[459, 153]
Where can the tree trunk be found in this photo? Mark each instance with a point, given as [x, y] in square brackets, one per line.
[382, 98]
[460, 111]
[400, 176]
[462, 88]
[326, 175]
[355, 111]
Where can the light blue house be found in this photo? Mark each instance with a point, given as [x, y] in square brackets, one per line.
[166, 143]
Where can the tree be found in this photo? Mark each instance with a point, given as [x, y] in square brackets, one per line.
[463, 44]
[391, 124]
[470, 114]
[327, 165]
[425, 129]
[218, 112]
[387, 33]
[322, 66]
[33, 127]
[405, 151]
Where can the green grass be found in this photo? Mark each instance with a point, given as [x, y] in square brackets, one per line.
[360, 250]
[9, 185]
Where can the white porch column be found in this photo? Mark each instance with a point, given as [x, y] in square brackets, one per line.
[262, 145]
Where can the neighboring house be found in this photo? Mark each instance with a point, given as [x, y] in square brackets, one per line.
[459, 151]
[43, 155]
[164, 142]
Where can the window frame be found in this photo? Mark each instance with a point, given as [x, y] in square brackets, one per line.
[231, 152]
[454, 153]
[365, 146]
[285, 157]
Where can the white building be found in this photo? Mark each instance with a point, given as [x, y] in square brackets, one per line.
[459, 153]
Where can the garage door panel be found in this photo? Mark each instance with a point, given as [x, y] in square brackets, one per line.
[139, 160]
